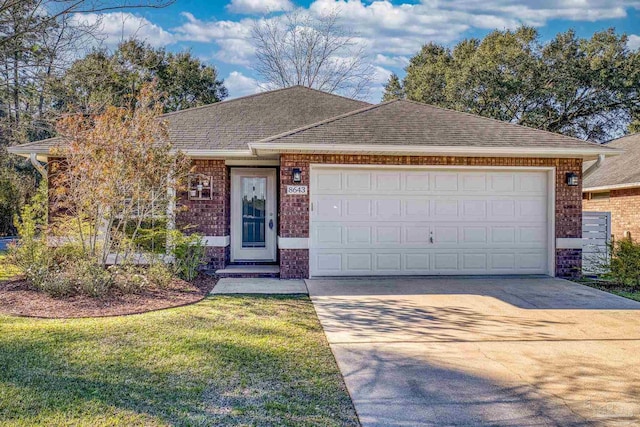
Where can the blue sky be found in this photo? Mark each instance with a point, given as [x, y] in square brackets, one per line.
[217, 31]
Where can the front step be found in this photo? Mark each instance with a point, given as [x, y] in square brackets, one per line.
[245, 271]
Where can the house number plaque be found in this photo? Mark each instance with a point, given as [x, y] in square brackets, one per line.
[297, 189]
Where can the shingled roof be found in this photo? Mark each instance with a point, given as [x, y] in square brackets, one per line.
[620, 171]
[409, 123]
[230, 125]
[303, 119]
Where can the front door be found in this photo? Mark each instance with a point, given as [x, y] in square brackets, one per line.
[253, 214]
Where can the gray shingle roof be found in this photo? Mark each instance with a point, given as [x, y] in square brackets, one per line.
[618, 170]
[410, 123]
[234, 123]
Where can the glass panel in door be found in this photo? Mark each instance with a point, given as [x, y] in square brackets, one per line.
[254, 200]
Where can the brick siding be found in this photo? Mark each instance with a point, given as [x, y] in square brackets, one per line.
[294, 210]
[624, 206]
[208, 217]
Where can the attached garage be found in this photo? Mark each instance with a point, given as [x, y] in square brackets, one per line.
[379, 220]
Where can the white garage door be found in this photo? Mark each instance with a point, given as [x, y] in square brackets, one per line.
[428, 221]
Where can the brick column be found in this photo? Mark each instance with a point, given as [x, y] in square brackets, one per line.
[293, 219]
[209, 217]
[568, 218]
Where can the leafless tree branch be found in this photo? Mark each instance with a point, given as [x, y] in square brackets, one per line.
[298, 49]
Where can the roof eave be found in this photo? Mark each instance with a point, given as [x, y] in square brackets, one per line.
[587, 153]
[622, 186]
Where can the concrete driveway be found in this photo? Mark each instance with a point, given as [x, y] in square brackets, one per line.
[471, 351]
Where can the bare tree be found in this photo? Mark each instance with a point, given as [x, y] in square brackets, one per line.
[298, 49]
[44, 12]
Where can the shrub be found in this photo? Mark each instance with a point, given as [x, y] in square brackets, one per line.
[58, 284]
[91, 278]
[67, 253]
[31, 253]
[129, 278]
[188, 252]
[624, 265]
[159, 275]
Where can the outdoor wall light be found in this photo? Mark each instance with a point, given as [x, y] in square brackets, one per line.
[296, 175]
[572, 179]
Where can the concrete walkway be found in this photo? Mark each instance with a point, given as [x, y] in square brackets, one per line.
[259, 286]
[462, 351]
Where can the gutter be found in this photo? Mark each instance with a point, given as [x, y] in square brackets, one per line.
[591, 169]
[262, 148]
[33, 158]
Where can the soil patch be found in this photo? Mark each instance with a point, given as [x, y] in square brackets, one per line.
[18, 298]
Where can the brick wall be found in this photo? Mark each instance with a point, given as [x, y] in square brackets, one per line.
[624, 206]
[208, 217]
[294, 210]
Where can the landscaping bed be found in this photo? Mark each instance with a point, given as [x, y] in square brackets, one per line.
[631, 292]
[225, 361]
[18, 297]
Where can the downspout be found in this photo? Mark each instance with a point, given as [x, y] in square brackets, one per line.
[591, 169]
[36, 164]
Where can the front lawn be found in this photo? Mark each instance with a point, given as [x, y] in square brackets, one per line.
[228, 360]
[7, 271]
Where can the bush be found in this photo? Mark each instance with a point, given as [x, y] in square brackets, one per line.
[129, 278]
[188, 252]
[31, 253]
[159, 275]
[67, 253]
[624, 265]
[91, 278]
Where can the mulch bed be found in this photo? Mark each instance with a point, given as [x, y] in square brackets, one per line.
[18, 298]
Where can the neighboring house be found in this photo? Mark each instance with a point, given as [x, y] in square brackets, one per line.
[615, 187]
[328, 186]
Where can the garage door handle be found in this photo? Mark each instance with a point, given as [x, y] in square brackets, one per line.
[270, 224]
[430, 239]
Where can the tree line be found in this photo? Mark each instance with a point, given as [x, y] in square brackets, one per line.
[583, 87]
[47, 72]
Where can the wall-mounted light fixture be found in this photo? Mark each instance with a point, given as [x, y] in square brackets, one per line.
[572, 179]
[296, 175]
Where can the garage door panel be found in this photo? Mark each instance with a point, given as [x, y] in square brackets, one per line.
[389, 209]
[388, 235]
[416, 209]
[388, 262]
[358, 235]
[357, 181]
[388, 181]
[501, 182]
[417, 181]
[444, 209]
[474, 182]
[430, 262]
[327, 181]
[395, 222]
[474, 261]
[445, 234]
[531, 183]
[474, 209]
[329, 235]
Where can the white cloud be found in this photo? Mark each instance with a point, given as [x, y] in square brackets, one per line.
[634, 42]
[240, 85]
[400, 29]
[115, 27]
[391, 61]
[232, 37]
[259, 6]
[380, 75]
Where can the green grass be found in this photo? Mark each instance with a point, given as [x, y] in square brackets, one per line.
[254, 361]
[7, 271]
[620, 290]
